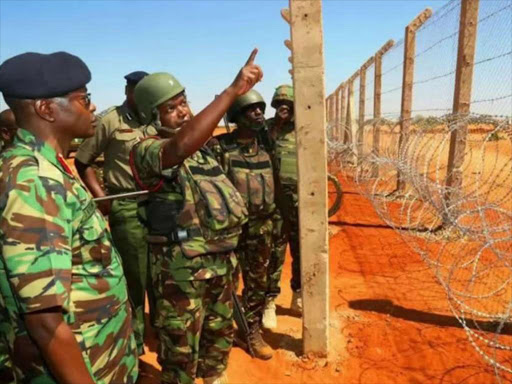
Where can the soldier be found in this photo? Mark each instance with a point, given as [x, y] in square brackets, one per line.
[194, 217]
[7, 131]
[249, 168]
[119, 129]
[61, 279]
[280, 141]
[7, 128]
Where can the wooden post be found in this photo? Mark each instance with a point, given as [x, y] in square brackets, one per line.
[408, 80]
[362, 104]
[337, 112]
[462, 95]
[343, 112]
[349, 137]
[308, 82]
[377, 96]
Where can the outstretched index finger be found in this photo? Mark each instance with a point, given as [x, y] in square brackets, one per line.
[251, 58]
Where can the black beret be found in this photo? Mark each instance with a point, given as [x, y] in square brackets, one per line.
[135, 77]
[36, 75]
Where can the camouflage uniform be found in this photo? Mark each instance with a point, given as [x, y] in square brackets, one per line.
[57, 252]
[284, 154]
[194, 217]
[249, 168]
[118, 131]
[6, 345]
[6, 332]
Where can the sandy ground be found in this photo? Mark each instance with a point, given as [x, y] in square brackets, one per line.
[390, 320]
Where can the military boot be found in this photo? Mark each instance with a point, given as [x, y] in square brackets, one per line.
[260, 349]
[269, 320]
[219, 379]
[296, 305]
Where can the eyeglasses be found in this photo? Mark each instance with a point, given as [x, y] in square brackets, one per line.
[83, 98]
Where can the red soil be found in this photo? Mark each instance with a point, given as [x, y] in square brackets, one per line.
[390, 320]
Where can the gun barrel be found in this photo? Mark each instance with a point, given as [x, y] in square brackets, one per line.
[120, 196]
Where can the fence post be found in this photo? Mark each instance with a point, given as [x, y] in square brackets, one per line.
[309, 87]
[343, 112]
[407, 83]
[377, 95]
[462, 95]
[349, 122]
[362, 103]
[337, 112]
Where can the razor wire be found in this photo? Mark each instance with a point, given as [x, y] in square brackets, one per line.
[462, 230]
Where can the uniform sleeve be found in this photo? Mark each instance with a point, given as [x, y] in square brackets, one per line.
[90, 149]
[36, 243]
[146, 164]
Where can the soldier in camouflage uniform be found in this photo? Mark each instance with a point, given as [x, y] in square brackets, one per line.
[7, 128]
[280, 141]
[118, 131]
[249, 168]
[61, 279]
[194, 217]
[7, 131]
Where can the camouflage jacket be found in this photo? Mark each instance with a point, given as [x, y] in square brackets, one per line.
[57, 252]
[194, 206]
[283, 148]
[249, 167]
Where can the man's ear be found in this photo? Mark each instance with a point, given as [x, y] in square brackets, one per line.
[45, 109]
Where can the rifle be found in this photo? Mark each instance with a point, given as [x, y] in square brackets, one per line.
[241, 322]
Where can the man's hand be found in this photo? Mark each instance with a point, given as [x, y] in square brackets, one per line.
[248, 76]
[104, 206]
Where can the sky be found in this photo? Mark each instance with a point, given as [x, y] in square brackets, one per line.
[202, 42]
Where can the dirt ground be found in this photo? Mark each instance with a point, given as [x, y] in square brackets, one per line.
[390, 320]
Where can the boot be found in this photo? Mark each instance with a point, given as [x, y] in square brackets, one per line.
[269, 320]
[219, 379]
[260, 349]
[296, 305]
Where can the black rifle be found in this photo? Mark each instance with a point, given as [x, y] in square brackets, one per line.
[241, 322]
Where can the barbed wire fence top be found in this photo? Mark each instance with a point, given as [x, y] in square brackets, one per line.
[442, 176]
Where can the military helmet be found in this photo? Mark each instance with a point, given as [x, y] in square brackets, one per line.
[249, 98]
[283, 92]
[152, 91]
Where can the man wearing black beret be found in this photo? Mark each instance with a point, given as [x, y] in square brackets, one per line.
[118, 130]
[61, 279]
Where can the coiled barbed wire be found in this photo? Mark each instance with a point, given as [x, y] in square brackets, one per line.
[463, 231]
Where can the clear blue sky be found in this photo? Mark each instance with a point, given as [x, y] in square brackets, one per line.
[203, 43]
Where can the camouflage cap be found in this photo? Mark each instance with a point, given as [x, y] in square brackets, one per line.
[283, 92]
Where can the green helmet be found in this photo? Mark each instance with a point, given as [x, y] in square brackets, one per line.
[283, 92]
[249, 98]
[152, 91]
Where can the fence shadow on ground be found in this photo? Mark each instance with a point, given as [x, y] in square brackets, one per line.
[387, 307]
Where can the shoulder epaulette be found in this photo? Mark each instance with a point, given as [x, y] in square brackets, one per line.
[106, 112]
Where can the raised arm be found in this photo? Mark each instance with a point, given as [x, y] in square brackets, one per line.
[199, 129]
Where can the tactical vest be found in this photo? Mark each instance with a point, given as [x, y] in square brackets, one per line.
[286, 157]
[202, 212]
[252, 175]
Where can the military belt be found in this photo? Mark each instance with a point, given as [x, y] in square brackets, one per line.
[174, 237]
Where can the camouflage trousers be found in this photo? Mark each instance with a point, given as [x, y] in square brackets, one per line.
[288, 221]
[253, 253]
[277, 256]
[129, 237]
[196, 333]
